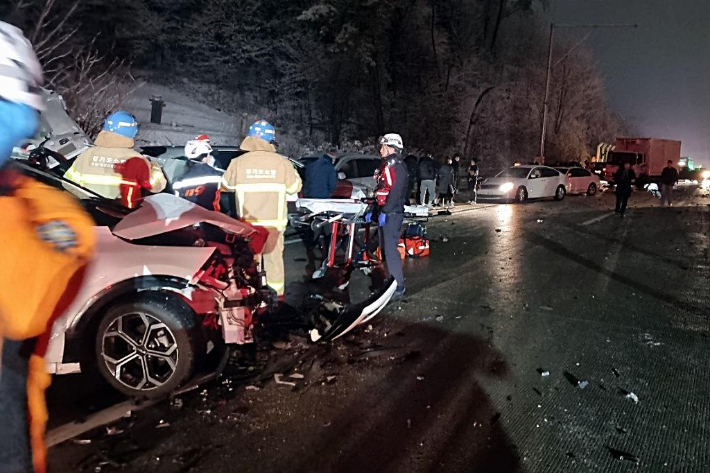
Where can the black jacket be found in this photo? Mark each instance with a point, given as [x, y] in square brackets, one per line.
[669, 176]
[623, 180]
[395, 190]
[427, 169]
[412, 164]
[200, 185]
[445, 179]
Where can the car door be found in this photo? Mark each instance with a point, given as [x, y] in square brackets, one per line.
[536, 183]
[551, 179]
[366, 168]
[579, 179]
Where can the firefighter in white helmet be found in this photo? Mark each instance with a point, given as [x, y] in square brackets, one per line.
[201, 182]
[261, 180]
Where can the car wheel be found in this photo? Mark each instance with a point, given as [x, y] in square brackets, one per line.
[521, 195]
[592, 189]
[560, 193]
[149, 346]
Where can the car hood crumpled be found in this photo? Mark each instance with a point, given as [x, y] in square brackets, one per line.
[164, 213]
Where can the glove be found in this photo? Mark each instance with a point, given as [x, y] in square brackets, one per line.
[368, 217]
[382, 219]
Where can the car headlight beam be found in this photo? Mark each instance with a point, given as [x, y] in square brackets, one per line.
[507, 187]
[706, 174]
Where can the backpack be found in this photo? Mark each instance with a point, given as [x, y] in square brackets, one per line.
[416, 242]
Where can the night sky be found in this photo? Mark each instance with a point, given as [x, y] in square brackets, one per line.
[657, 75]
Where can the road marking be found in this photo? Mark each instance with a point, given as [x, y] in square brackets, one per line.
[596, 219]
[106, 416]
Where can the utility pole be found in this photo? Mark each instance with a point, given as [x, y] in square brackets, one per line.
[548, 76]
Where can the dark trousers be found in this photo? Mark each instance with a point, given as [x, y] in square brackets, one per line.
[622, 199]
[390, 239]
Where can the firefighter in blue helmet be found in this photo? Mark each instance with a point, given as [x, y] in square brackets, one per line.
[391, 194]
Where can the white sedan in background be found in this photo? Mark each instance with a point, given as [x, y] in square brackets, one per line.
[581, 180]
[525, 182]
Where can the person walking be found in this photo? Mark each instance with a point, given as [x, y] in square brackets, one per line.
[391, 197]
[427, 176]
[669, 176]
[320, 178]
[624, 179]
[473, 181]
[445, 183]
[261, 180]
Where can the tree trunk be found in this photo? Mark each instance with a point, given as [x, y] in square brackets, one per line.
[472, 120]
[496, 28]
[433, 40]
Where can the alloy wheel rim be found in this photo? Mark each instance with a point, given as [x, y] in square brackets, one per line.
[139, 351]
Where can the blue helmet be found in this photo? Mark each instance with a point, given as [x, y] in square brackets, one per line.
[262, 129]
[122, 123]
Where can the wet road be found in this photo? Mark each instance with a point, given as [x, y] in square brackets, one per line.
[615, 310]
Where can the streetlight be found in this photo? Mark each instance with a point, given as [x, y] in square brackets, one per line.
[550, 67]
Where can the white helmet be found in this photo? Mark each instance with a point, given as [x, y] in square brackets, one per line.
[197, 148]
[392, 139]
[20, 71]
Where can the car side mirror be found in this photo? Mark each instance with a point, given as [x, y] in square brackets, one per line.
[341, 176]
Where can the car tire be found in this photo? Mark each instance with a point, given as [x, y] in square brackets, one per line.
[592, 189]
[560, 193]
[149, 346]
[521, 195]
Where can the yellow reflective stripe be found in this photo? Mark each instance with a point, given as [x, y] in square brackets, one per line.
[294, 188]
[275, 285]
[156, 175]
[73, 175]
[278, 223]
[262, 187]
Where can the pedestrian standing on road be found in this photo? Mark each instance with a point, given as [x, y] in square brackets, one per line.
[320, 178]
[412, 163]
[473, 180]
[445, 183]
[427, 176]
[669, 177]
[624, 179]
[391, 196]
[457, 165]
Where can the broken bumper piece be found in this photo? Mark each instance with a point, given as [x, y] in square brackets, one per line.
[347, 318]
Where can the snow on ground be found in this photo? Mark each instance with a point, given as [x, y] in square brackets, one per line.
[183, 118]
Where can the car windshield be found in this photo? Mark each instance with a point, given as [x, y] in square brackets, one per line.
[514, 172]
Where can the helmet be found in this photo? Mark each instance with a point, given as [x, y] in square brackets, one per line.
[392, 139]
[203, 137]
[197, 148]
[122, 123]
[262, 129]
[20, 71]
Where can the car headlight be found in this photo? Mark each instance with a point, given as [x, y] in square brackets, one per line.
[706, 174]
[507, 187]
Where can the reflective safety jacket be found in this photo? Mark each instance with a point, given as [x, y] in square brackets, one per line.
[261, 179]
[47, 241]
[114, 170]
[392, 182]
[200, 184]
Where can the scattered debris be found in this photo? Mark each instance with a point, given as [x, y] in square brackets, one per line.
[420, 378]
[176, 403]
[111, 431]
[251, 387]
[281, 345]
[296, 376]
[616, 372]
[571, 455]
[82, 441]
[537, 391]
[278, 379]
[331, 379]
[409, 423]
[547, 308]
[621, 455]
[539, 220]
[162, 424]
[633, 397]
[443, 239]
[543, 373]
[583, 384]
[439, 318]
[498, 230]
[620, 429]
[574, 381]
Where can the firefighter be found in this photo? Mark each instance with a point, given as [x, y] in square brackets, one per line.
[200, 184]
[261, 179]
[391, 195]
[46, 242]
[112, 168]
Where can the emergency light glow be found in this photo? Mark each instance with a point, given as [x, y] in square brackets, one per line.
[706, 174]
[507, 187]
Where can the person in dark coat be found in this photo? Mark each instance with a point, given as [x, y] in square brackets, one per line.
[472, 180]
[427, 177]
[320, 178]
[623, 179]
[445, 183]
[669, 177]
[457, 165]
[412, 163]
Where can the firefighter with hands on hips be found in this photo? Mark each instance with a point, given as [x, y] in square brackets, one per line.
[112, 168]
[201, 182]
[261, 179]
[391, 195]
[46, 242]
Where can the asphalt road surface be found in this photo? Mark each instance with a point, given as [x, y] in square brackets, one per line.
[543, 337]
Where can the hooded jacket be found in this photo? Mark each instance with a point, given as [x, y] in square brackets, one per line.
[43, 256]
[427, 169]
[261, 179]
[320, 179]
[114, 170]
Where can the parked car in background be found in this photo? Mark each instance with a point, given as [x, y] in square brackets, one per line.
[357, 168]
[581, 180]
[521, 183]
